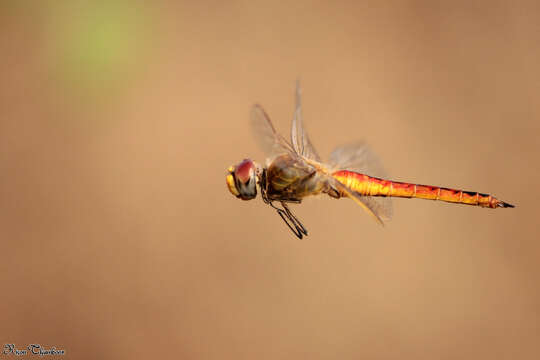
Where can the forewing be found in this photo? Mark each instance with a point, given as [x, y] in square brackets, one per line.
[358, 157]
[299, 137]
[270, 141]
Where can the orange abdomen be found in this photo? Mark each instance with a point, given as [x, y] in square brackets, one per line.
[371, 186]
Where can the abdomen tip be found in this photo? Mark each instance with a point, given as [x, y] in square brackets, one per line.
[506, 205]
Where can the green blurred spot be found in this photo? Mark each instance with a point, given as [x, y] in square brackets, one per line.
[99, 46]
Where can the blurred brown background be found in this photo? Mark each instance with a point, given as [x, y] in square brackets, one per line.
[119, 238]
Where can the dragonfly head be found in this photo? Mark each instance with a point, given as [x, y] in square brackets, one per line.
[242, 180]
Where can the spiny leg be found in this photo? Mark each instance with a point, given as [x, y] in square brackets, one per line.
[296, 231]
[297, 224]
[297, 228]
[292, 222]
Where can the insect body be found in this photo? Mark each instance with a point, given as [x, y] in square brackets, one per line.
[294, 170]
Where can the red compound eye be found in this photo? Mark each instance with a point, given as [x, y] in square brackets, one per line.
[244, 171]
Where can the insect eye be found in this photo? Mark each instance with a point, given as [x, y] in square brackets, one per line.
[231, 182]
[245, 171]
[242, 180]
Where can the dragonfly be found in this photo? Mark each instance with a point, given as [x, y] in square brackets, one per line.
[294, 170]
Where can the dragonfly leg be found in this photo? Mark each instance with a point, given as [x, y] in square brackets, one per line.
[300, 229]
[292, 221]
[296, 231]
[286, 215]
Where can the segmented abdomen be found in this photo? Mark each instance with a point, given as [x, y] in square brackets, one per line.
[371, 186]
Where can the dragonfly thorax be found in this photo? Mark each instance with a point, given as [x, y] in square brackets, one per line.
[242, 180]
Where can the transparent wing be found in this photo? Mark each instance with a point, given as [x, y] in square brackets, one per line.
[371, 205]
[270, 141]
[358, 157]
[380, 207]
[299, 137]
